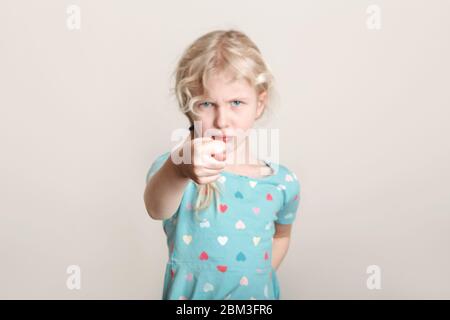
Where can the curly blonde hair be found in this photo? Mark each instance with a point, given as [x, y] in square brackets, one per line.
[218, 51]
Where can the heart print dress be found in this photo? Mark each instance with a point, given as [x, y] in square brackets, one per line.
[225, 250]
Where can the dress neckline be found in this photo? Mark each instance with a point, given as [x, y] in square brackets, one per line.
[267, 162]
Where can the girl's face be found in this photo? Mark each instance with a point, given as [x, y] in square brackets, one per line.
[228, 109]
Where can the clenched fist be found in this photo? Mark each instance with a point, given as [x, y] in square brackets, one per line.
[207, 160]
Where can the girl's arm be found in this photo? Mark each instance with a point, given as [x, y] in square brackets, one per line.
[164, 191]
[280, 243]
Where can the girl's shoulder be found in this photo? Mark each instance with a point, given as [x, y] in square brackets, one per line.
[288, 184]
[157, 164]
[285, 178]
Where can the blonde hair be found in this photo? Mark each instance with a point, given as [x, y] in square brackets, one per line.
[215, 52]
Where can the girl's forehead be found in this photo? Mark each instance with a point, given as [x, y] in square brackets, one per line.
[225, 87]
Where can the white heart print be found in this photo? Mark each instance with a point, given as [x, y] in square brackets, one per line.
[252, 183]
[240, 225]
[222, 240]
[256, 240]
[208, 287]
[187, 238]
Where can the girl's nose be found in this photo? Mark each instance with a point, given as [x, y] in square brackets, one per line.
[221, 117]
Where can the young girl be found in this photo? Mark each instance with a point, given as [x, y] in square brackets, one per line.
[228, 224]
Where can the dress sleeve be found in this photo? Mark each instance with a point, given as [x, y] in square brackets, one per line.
[291, 190]
[156, 165]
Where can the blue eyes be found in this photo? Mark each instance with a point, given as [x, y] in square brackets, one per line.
[235, 103]
[203, 104]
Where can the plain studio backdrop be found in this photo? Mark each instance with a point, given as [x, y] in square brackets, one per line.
[363, 116]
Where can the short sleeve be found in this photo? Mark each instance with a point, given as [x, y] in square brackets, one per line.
[156, 165]
[291, 190]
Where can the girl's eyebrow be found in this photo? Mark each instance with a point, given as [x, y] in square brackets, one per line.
[233, 99]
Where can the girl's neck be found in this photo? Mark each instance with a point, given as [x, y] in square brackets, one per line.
[241, 155]
[243, 161]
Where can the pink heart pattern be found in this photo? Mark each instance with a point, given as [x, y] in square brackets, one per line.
[204, 256]
[242, 216]
[223, 208]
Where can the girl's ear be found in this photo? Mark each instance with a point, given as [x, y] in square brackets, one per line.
[261, 104]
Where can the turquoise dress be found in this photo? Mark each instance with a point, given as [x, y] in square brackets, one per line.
[225, 251]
